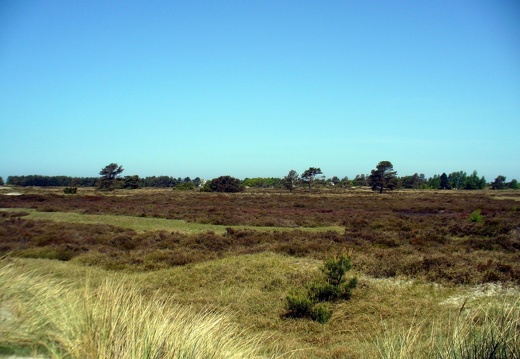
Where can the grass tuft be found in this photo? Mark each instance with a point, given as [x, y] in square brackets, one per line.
[488, 330]
[110, 320]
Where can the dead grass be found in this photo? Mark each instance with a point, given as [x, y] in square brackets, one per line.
[251, 290]
[111, 320]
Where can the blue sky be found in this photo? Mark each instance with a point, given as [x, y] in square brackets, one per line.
[257, 88]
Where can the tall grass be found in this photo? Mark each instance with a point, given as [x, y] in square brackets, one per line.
[110, 320]
[487, 330]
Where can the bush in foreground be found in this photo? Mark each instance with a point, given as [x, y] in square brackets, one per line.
[330, 288]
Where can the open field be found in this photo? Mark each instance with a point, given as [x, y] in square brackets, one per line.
[430, 279]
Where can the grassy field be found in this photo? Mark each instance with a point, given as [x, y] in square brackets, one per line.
[156, 274]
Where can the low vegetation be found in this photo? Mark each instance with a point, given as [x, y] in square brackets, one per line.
[438, 273]
[331, 287]
[111, 319]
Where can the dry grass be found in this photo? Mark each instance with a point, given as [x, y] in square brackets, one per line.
[382, 316]
[110, 320]
[485, 330]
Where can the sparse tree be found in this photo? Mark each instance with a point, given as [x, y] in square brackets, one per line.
[109, 176]
[457, 179]
[1, 181]
[412, 182]
[434, 182]
[360, 180]
[345, 182]
[474, 182]
[499, 183]
[197, 181]
[132, 182]
[309, 175]
[111, 171]
[445, 184]
[383, 177]
[335, 180]
[291, 180]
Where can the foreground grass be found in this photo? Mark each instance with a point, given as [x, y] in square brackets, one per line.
[111, 319]
[487, 330]
[240, 301]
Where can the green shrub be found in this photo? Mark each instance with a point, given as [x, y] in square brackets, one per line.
[476, 217]
[347, 287]
[322, 291]
[185, 186]
[70, 190]
[224, 184]
[330, 288]
[321, 313]
[298, 305]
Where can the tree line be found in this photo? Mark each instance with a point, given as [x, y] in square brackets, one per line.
[124, 182]
[382, 178]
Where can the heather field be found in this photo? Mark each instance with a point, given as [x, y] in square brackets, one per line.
[439, 273]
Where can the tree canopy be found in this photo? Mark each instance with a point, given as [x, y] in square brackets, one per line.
[224, 184]
[290, 180]
[383, 177]
[111, 171]
[109, 175]
[309, 175]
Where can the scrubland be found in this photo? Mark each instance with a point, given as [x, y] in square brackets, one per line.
[160, 274]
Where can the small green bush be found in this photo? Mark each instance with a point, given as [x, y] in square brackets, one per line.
[330, 288]
[321, 313]
[347, 287]
[298, 305]
[322, 291]
[70, 190]
[476, 217]
[185, 186]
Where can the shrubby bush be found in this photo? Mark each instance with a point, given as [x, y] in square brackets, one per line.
[476, 217]
[185, 186]
[224, 184]
[330, 288]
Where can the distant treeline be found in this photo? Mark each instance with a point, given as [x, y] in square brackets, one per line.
[65, 181]
[52, 181]
[455, 180]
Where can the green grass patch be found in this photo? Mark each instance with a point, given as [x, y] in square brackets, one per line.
[145, 224]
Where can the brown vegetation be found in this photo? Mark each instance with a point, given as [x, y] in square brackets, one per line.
[418, 234]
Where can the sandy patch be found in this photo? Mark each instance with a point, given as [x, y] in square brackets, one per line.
[483, 291]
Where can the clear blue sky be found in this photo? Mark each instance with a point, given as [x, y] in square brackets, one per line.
[257, 88]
